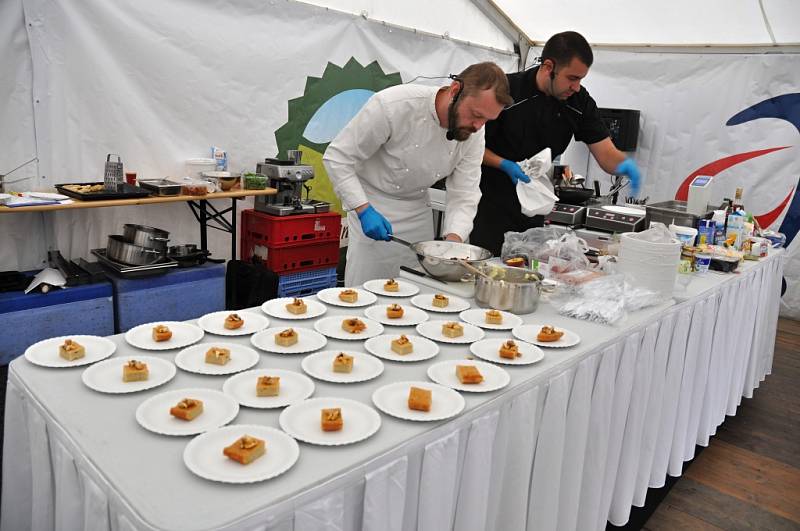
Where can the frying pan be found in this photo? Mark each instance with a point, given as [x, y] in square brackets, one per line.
[573, 195]
[442, 259]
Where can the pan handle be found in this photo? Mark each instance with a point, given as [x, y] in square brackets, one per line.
[399, 240]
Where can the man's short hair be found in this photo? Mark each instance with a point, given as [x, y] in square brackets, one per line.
[485, 76]
[561, 48]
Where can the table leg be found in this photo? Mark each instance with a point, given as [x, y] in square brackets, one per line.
[203, 226]
[233, 228]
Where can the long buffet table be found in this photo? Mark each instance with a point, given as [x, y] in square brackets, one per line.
[574, 441]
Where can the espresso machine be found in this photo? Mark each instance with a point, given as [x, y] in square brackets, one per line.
[289, 178]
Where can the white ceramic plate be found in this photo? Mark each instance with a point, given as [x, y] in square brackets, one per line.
[203, 455]
[405, 288]
[444, 373]
[477, 317]
[277, 308]
[331, 296]
[411, 316]
[392, 399]
[183, 335]
[218, 410]
[433, 330]
[193, 359]
[295, 387]
[45, 352]
[489, 350]
[308, 341]
[302, 421]
[529, 332]
[425, 301]
[320, 366]
[214, 323]
[106, 376]
[381, 346]
[332, 327]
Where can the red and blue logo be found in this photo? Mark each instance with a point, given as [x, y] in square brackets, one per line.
[785, 107]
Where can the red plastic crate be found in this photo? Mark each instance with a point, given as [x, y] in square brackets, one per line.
[295, 258]
[284, 231]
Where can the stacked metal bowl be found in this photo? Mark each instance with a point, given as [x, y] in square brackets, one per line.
[138, 245]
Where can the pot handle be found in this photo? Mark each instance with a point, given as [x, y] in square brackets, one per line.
[399, 240]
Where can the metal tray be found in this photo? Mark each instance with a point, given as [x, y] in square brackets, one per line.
[161, 186]
[668, 212]
[130, 271]
[127, 191]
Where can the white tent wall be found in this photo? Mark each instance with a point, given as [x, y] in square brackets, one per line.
[686, 99]
[160, 82]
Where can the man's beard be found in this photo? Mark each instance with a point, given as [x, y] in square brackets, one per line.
[458, 133]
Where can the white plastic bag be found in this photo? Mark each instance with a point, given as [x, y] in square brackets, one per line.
[536, 197]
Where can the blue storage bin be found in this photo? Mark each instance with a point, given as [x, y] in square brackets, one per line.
[306, 282]
[178, 295]
[27, 319]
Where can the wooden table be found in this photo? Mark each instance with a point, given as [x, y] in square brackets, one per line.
[199, 204]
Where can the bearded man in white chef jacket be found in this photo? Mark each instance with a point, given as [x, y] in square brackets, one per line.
[402, 141]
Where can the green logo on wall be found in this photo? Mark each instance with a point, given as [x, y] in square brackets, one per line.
[326, 106]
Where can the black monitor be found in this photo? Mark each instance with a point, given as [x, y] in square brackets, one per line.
[623, 127]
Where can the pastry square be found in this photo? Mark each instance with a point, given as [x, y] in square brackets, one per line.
[348, 295]
[353, 325]
[187, 409]
[135, 371]
[419, 399]
[268, 386]
[218, 355]
[233, 321]
[71, 350]
[440, 300]
[468, 374]
[246, 449]
[331, 419]
[286, 338]
[391, 285]
[494, 317]
[394, 311]
[161, 333]
[343, 363]
[509, 350]
[402, 345]
[297, 307]
[452, 329]
[548, 333]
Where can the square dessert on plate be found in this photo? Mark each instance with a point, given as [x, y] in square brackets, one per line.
[71, 350]
[419, 399]
[218, 355]
[331, 419]
[187, 409]
[452, 329]
[135, 371]
[246, 449]
[468, 374]
[268, 386]
[233, 321]
[402, 345]
[297, 307]
[286, 338]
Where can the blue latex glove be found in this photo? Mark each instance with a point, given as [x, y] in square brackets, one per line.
[374, 224]
[513, 170]
[629, 168]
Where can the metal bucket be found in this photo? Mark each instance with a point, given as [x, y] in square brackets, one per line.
[512, 289]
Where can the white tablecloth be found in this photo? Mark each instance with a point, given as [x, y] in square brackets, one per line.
[574, 441]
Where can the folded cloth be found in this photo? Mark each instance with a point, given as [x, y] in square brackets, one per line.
[537, 197]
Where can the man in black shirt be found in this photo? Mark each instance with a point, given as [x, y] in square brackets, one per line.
[551, 107]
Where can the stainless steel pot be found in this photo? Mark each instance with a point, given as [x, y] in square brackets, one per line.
[148, 237]
[120, 250]
[512, 289]
[440, 259]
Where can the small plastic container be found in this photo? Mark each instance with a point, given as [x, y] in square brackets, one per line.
[686, 235]
[196, 187]
[254, 181]
[702, 262]
[196, 167]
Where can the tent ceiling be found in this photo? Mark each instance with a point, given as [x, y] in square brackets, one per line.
[673, 23]
[457, 19]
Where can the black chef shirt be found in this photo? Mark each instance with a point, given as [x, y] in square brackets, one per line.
[535, 122]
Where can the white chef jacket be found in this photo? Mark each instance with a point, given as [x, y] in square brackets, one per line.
[389, 154]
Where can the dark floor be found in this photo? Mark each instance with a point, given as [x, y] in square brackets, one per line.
[749, 476]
